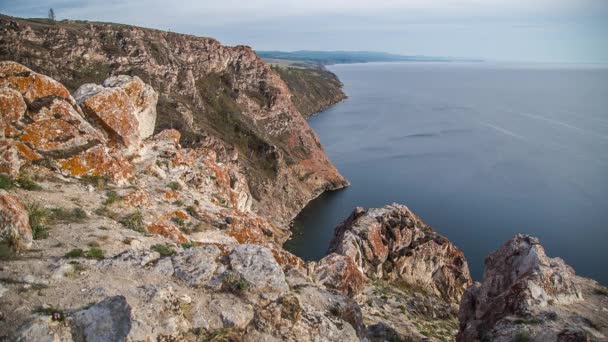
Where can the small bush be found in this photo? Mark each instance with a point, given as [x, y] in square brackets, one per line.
[175, 186]
[134, 221]
[27, 183]
[179, 221]
[112, 197]
[75, 253]
[39, 217]
[187, 245]
[6, 183]
[191, 210]
[163, 250]
[222, 335]
[523, 336]
[179, 203]
[94, 253]
[63, 215]
[233, 282]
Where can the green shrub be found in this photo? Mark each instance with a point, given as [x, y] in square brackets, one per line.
[112, 197]
[175, 186]
[6, 183]
[234, 282]
[134, 221]
[105, 211]
[26, 182]
[178, 203]
[74, 253]
[187, 245]
[74, 215]
[179, 221]
[163, 250]
[39, 217]
[94, 253]
[523, 336]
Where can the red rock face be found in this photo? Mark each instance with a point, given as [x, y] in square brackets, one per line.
[393, 244]
[14, 222]
[341, 273]
[113, 110]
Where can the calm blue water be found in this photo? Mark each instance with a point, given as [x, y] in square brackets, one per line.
[480, 151]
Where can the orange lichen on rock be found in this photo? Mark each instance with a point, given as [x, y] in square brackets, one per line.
[12, 106]
[112, 109]
[137, 198]
[96, 162]
[30, 84]
[47, 135]
[14, 222]
[170, 195]
[10, 163]
[168, 230]
[286, 259]
[27, 153]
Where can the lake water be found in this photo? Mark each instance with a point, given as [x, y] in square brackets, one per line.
[480, 151]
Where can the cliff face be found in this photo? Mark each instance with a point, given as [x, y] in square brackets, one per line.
[221, 97]
[313, 89]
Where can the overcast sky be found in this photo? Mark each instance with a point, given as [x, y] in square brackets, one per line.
[519, 30]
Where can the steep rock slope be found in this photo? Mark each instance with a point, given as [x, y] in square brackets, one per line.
[527, 296]
[221, 97]
[313, 89]
[395, 245]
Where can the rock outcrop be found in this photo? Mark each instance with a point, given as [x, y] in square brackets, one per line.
[225, 98]
[393, 244]
[313, 89]
[14, 222]
[526, 295]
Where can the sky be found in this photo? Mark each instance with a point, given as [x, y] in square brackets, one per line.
[554, 31]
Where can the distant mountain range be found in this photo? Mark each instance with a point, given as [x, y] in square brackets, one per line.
[343, 57]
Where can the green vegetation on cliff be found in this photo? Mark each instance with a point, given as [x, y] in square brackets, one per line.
[313, 89]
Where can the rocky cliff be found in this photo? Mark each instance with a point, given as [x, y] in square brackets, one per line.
[314, 89]
[527, 296]
[225, 98]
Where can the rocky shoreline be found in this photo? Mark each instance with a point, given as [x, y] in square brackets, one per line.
[115, 228]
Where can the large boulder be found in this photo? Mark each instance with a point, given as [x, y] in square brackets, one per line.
[108, 320]
[341, 273]
[40, 119]
[124, 107]
[143, 97]
[196, 265]
[393, 244]
[524, 293]
[257, 266]
[14, 222]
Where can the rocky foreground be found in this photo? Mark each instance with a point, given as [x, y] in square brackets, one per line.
[112, 232]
